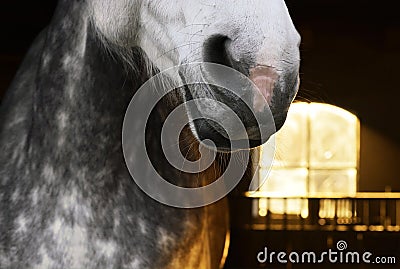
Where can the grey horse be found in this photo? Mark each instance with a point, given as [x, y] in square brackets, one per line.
[67, 199]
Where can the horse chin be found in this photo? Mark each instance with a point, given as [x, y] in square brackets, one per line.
[244, 138]
[205, 132]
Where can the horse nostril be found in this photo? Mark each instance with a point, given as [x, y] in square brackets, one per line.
[218, 49]
[264, 78]
[215, 50]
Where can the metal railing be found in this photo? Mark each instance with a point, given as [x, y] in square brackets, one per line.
[363, 212]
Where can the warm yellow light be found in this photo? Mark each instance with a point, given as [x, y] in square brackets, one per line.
[334, 137]
[263, 207]
[285, 182]
[317, 153]
[291, 140]
[342, 209]
[333, 182]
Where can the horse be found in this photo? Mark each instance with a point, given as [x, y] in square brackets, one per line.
[67, 199]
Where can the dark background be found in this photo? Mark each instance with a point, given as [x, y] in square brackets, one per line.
[350, 58]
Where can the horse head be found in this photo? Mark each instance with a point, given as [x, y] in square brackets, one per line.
[254, 37]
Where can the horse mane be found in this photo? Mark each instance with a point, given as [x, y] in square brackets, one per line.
[133, 59]
[116, 33]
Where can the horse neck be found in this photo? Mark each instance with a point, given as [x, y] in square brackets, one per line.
[82, 92]
[82, 96]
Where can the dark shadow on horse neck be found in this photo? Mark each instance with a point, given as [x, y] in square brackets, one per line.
[89, 86]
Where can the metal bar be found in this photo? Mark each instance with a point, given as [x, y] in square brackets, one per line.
[285, 215]
[397, 210]
[354, 211]
[366, 212]
[268, 218]
[382, 212]
[359, 195]
[357, 213]
[336, 212]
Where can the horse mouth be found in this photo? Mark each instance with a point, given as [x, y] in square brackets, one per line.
[265, 82]
[206, 131]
